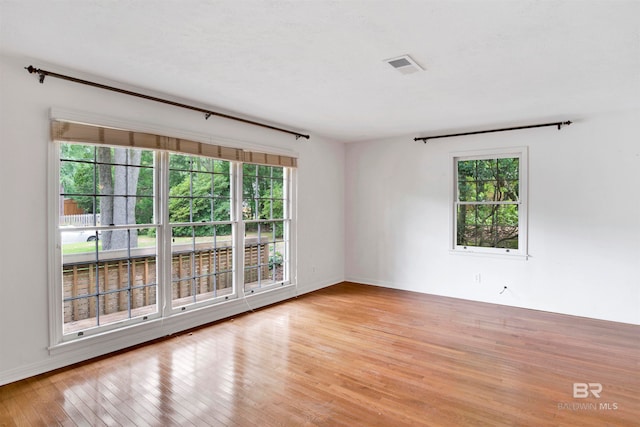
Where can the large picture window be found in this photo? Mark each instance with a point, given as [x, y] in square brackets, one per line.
[149, 226]
[489, 207]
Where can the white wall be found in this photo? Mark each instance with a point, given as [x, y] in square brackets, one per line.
[24, 139]
[584, 219]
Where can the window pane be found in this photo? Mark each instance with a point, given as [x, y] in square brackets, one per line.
[486, 191]
[467, 191]
[466, 228]
[221, 209]
[508, 168]
[179, 183]
[249, 169]
[182, 275]
[104, 186]
[79, 313]
[507, 215]
[88, 174]
[266, 254]
[78, 178]
[180, 162]
[252, 232]
[202, 209]
[486, 170]
[201, 256]
[487, 226]
[102, 286]
[251, 278]
[221, 185]
[263, 192]
[122, 210]
[486, 236]
[224, 283]
[200, 189]
[77, 152]
[276, 261]
[485, 214]
[507, 226]
[489, 183]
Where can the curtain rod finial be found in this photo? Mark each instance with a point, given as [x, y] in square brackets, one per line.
[567, 123]
[31, 69]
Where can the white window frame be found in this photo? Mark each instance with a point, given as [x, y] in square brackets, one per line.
[287, 220]
[167, 226]
[60, 341]
[509, 152]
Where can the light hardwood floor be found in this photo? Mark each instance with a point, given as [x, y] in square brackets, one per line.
[354, 355]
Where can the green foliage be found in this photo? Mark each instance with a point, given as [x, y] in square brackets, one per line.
[263, 196]
[76, 176]
[200, 189]
[275, 260]
[488, 181]
[144, 205]
[199, 192]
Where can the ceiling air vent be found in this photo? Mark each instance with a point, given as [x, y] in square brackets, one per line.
[405, 64]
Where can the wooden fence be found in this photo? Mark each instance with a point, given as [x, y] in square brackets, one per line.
[80, 220]
[211, 269]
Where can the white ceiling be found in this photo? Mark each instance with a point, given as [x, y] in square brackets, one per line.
[317, 66]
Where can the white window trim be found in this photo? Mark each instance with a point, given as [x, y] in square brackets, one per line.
[523, 222]
[152, 326]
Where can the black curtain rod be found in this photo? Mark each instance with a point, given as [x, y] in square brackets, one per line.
[558, 124]
[207, 113]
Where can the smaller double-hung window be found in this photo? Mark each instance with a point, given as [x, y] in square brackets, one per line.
[489, 203]
[266, 218]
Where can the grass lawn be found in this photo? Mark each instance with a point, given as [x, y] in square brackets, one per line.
[146, 242]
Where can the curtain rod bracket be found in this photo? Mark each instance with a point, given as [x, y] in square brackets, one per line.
[31, 69]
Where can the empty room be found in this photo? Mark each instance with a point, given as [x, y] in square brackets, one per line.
[322, 212]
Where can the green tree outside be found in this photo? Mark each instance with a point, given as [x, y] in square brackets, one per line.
[481, 219]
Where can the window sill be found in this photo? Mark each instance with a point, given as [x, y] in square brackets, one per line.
[113, 340]
[489, 254]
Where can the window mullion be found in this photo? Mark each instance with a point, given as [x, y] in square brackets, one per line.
[239, 229]
[163, 235]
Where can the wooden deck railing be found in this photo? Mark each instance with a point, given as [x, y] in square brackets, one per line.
[84, 279]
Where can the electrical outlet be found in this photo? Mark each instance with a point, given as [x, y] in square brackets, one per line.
[478, 278]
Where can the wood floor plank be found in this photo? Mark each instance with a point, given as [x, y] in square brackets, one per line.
[352, 355]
